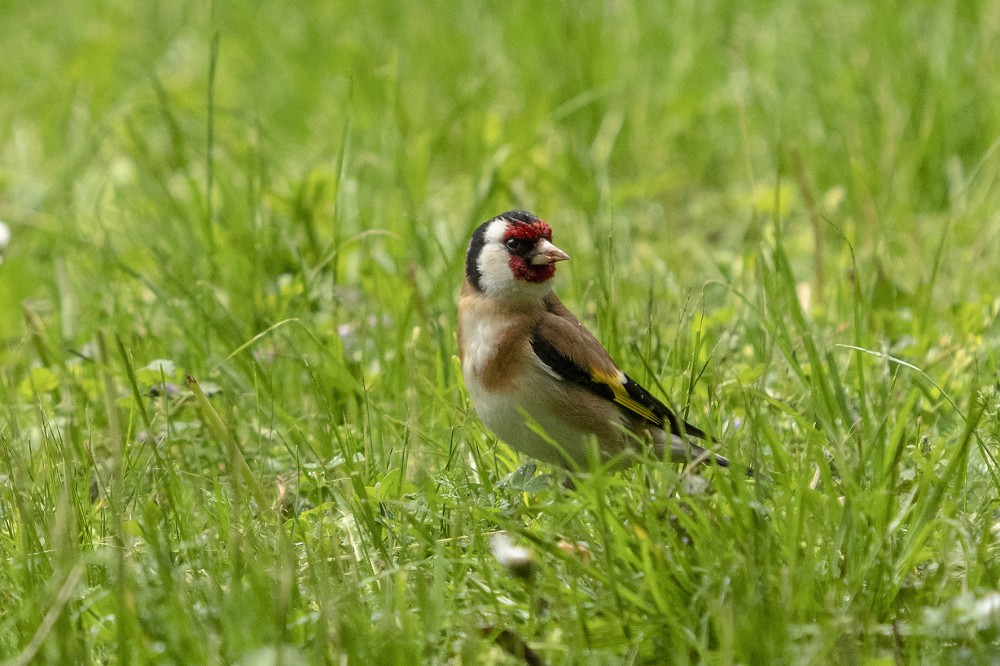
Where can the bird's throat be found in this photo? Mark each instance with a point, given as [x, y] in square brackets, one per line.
[522, 270]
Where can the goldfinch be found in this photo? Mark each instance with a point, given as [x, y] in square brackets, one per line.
[536, 376]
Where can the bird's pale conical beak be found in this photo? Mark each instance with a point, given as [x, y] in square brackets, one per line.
[546, 253]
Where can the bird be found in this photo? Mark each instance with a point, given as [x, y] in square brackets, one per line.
[536, 376]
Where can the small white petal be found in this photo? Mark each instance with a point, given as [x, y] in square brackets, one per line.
[516, 558]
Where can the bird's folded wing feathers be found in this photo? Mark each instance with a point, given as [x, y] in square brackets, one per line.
[569, 350]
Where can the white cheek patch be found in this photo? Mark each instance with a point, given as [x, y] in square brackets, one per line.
[494, 233]
[495, 276]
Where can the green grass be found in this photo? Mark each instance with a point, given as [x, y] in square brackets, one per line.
[783, 220]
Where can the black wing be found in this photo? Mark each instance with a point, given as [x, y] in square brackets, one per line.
[611, 384]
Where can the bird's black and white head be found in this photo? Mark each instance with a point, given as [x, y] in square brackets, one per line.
[512, 256]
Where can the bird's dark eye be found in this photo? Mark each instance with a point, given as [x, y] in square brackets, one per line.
[517, 245]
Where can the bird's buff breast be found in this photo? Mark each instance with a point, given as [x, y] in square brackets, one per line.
[509, 391]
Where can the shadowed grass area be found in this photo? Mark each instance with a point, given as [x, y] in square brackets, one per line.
[782, 219]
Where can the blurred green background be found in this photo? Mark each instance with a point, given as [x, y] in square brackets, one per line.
[670, 120]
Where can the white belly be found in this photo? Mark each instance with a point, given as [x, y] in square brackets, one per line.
[516, 421]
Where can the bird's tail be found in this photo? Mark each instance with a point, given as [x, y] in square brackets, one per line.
[684, 451]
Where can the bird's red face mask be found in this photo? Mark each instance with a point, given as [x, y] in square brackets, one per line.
[533, 257]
